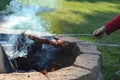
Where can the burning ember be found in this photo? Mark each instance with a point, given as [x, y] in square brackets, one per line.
[44, 72]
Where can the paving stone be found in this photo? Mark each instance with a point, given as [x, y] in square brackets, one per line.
[71, 73]
[87, 47]
[90, 62]
[23, 76]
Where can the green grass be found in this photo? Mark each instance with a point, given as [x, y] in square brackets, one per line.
[84, 16]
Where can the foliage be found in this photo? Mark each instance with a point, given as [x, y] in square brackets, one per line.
[4, 3]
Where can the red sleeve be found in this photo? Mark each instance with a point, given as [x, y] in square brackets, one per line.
[113, 25]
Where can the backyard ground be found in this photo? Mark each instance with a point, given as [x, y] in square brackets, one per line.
[83, 17]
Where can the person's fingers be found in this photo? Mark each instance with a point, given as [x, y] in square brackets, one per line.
[99, 36]
[96, 36]
[94, 33]
[98, 33]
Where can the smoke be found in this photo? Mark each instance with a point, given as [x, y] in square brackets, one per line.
[22, 14]
[47, 3]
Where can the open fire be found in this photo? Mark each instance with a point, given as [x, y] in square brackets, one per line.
[30, 52]
[30, 57]
[44, 54]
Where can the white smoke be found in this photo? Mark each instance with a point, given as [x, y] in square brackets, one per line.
[23, 15]
[47, 3]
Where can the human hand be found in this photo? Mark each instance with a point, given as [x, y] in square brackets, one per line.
[99, 32]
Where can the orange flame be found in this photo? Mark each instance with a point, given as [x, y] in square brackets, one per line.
[53, 69]
[44, 72]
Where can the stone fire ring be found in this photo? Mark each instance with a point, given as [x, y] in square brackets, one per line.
[87, 66]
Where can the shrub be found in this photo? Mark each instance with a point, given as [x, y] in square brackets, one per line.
[3, 4]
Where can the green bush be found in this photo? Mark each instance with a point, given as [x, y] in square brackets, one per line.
[3, 4]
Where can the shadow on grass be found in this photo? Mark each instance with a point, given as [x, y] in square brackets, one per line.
[94, 1]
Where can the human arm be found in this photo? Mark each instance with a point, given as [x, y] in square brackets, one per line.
[113, 25]
[108, 28]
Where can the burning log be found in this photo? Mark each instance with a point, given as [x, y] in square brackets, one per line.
[55, 42]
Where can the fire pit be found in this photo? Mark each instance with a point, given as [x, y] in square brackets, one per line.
[75, 61]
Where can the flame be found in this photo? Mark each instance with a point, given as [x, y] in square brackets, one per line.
[53, 69]
[44, 72]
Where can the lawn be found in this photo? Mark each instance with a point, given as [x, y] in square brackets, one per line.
[84, 16]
